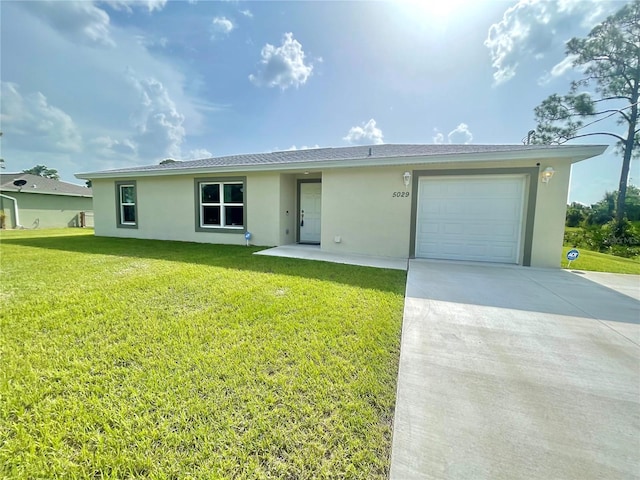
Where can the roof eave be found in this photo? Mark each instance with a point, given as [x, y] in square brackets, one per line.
[571, 153]
[61, 194]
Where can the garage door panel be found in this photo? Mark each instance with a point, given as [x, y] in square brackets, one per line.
[429, 228]
[453, 228]
[470, 218]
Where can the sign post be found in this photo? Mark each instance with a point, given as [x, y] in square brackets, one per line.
[572, 255]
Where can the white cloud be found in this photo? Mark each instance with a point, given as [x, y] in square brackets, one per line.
[159, 125]
[127, 5]
[79, 21]
[151, 42]
[531, 28]
[282, 66]
[559, 69]
[562, 67]
[304, 147]
[82, 20]
[438, 137]
[198, 153]
[31, 123]
[247, 13]
[460, 134]
[107, 147]
[367, 133]
[221, 26]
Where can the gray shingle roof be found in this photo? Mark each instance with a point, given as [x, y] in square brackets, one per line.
[36, 184]
[315, 155]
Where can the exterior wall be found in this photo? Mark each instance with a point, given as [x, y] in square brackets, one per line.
[45, 211]
[358, 206]
[166, 209]
[551, 209]
[263, 204]
[287, 209]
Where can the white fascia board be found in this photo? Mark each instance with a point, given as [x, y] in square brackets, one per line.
[570, 153]
[60, 194]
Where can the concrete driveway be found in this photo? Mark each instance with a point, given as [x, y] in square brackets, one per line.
[517, 373]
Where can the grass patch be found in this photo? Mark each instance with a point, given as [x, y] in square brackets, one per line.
[132, 358]
[601, 262]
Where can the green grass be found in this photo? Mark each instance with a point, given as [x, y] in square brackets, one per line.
[601, 262]
[132, 358]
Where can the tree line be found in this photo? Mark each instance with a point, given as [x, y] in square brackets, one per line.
[609, 88]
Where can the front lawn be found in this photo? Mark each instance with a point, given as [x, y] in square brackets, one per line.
[601, 262]
[132, 358]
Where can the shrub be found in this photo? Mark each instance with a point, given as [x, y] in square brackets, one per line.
[621, 240]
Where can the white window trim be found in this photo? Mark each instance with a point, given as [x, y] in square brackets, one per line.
[126, 204]
[120, 204]
[222, 204]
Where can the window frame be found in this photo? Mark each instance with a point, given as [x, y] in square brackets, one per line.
[120, 204]
[199, 205]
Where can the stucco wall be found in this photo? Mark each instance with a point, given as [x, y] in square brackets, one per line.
[167, 211]
[287, 209]
[551, 209]
[358, 206]
[46, 211]
[263, 202]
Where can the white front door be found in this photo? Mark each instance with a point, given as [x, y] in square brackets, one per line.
[309, 215]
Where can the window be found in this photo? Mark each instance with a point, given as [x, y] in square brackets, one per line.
[221, 204]
[126, 204]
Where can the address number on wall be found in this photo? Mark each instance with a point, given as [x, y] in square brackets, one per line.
[400, 194]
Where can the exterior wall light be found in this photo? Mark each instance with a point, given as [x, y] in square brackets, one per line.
[406, 176]
[546, 174]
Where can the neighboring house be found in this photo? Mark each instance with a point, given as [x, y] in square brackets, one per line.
[30, 201]
[487, 203]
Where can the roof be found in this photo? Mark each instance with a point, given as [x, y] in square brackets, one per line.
[42, 185]
[368, 155]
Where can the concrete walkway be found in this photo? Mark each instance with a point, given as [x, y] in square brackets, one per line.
[517, 373]
[313, 252]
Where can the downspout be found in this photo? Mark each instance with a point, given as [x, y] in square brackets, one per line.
[15, 209]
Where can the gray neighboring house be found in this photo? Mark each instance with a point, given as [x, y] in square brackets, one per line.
[485, 203]
[30, 201]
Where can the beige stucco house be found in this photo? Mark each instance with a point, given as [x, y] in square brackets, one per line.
[486, 203]
[30, 201]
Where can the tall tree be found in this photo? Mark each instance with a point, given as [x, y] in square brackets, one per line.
[609, 61]
[43, 171]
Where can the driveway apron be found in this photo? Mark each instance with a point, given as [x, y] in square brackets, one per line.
[517, 373]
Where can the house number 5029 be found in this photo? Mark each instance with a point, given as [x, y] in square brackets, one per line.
[400, 194]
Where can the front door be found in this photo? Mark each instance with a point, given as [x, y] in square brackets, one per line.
[309, 214]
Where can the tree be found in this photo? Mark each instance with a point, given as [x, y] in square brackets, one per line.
[609, 58]
[168, 160]
[603, 211]
[632, 203]
[43, 171]
[88, 183]
[576, 214]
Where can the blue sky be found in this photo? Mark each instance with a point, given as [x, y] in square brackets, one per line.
[96, 85]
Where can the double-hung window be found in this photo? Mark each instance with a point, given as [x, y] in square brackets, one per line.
[127, 204]
[221, 204]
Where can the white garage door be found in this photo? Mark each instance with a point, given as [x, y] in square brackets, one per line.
[476, 218]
